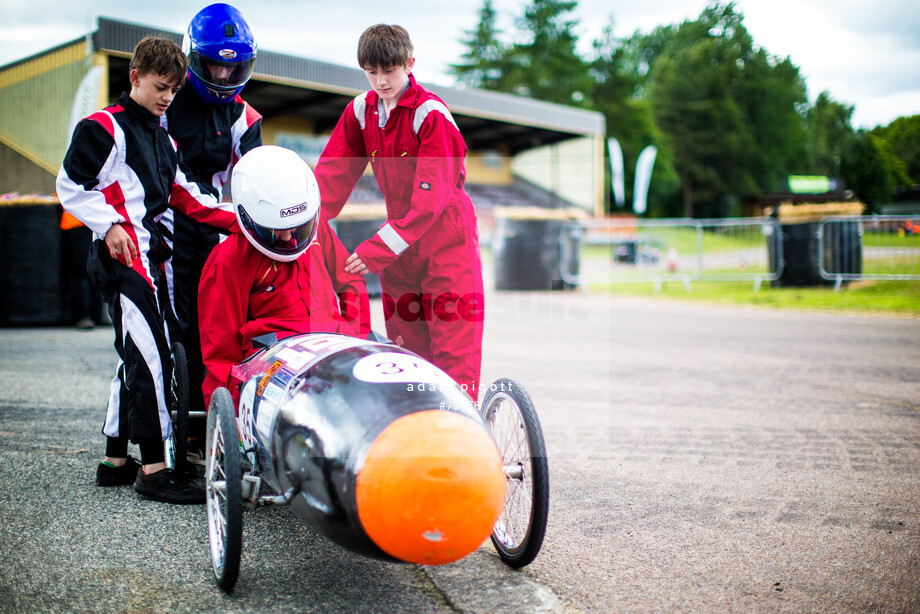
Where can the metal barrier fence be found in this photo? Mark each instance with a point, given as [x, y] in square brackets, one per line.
[881, 247]
[672, 251]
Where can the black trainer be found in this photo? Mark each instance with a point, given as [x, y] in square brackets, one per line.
[117, 476]
[167, 486]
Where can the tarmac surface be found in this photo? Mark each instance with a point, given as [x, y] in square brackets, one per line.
[702, 459]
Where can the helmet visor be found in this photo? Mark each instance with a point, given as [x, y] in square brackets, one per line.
[281, 241]
[220, 75]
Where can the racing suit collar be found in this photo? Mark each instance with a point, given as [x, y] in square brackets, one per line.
[142, 114]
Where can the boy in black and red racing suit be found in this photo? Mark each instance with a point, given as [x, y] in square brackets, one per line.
[119, 176]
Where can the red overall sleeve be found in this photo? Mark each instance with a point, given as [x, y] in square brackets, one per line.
[342, 162]
[223, 299]
[437, 175]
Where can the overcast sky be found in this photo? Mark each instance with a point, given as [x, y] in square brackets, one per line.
[865, 53]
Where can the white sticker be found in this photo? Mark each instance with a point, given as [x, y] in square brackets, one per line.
[272, 392]
[294, 359]
[268, 410]
[247, 400]
[395, 367]
[327, 341]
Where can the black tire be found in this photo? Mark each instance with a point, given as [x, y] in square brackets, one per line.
[510, 415]
[224, 490]
[178, 400]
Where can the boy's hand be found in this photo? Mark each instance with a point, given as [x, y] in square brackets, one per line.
[120, 244]
[355, 265]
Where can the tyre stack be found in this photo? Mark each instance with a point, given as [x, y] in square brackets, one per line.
[31, 263]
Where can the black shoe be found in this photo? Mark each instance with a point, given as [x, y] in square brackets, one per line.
[167, 486]
[117, 476]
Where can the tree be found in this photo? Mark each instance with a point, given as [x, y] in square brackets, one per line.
[689, 88]
[546, 66]
[730, 120]
[866, 170]
[612, 87]
[485, 53]
[897, 170]
[628, 118]
[829, 134]
[732, 112]
[772, 97]
[903, 134]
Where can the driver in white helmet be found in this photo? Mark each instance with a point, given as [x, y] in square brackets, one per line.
[284, 273]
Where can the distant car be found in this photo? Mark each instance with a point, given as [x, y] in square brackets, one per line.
[639, 251]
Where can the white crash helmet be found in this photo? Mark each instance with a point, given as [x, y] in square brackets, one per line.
[274, 190]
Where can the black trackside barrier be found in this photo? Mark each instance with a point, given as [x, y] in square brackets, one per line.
[31, 266]
[530, 254]
[800, 255]
[842, 249]
[842, 253]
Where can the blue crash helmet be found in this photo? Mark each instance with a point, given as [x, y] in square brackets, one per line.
[221, 52]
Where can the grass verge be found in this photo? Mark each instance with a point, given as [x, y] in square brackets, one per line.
[866, 297]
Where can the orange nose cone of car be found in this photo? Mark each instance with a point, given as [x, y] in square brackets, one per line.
[431, 488]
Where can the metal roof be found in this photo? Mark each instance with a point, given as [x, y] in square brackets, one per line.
[291, 85]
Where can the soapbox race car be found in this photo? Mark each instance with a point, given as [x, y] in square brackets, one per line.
[376, 449]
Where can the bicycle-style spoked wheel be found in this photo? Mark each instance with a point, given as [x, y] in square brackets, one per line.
[177, 398]
[224, 490]
[511, 417]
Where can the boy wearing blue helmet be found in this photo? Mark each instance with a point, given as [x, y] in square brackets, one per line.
[221, 51]
[214, 127]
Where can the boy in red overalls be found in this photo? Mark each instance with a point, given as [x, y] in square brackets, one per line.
[427, 252]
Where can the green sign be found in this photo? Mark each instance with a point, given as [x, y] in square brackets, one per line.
[809, 184]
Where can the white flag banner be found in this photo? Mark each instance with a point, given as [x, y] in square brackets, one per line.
[617, 175]
[644, 166]
[86, 100]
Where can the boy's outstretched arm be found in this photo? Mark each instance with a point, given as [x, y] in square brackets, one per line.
[438, 174]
